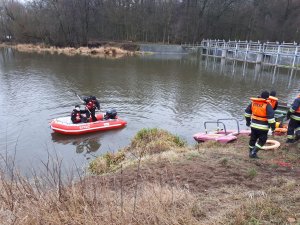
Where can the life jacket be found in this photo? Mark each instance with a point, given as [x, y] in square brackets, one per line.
[273, 100]
[91, 104]
[78, 117]
[259, 109]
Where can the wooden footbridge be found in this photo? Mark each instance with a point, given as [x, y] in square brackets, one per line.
[269, 53]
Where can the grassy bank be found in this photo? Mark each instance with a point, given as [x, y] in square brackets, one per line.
[110, 50]
[158, 179]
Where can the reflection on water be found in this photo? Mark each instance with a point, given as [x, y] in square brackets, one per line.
[85, 144]
[253, 73]
[177, 93]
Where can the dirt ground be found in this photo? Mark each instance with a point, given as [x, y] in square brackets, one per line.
[212, 169]
[220, 176]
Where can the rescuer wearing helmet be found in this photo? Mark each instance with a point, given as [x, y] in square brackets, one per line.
[293, 133]
[91, 104]
[260, 116]
[273, 100]
[110, 114]
[77, 115]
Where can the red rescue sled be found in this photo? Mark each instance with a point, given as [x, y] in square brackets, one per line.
[64, 125]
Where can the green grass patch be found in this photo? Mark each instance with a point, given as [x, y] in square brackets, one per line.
[224, 161]
[260, 212]
[252, 173]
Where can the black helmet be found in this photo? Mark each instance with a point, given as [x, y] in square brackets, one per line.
[273, 93]
[109, 111]
[265, 95]
[93, 97]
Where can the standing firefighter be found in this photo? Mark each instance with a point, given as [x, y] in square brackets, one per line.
[273, 100]
[260, 115]
[91, 104]
[294, 124]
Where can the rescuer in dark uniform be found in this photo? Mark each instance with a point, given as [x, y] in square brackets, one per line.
[273, 100]
[91, 104]
[77, 115]
[293, 133]
[260, 115]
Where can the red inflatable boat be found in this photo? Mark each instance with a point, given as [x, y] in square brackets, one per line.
[64, 125]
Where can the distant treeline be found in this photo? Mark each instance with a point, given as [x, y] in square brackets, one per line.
[77, 22]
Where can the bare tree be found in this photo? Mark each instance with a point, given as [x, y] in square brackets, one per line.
[76, 22]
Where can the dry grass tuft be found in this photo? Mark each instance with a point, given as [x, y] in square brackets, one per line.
[105, 51]
[169, 184]
[22, 202]
[106, 163]
[277, 205]
[154, 140]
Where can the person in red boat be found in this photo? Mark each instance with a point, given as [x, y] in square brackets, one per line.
[78, 116]
[92, 104]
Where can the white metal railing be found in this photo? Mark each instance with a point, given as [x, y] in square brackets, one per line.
[274, 49]
[267, 47]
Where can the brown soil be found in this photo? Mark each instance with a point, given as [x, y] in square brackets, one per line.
[206, 185]
[221, 179]
[212, 170]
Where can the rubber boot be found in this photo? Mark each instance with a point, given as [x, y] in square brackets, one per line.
[290, 141]
[297, 138]
[250, 150]
[253, 153]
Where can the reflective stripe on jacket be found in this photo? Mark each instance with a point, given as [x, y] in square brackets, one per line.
[295, 109]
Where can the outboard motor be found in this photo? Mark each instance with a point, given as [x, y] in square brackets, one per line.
[111, 114]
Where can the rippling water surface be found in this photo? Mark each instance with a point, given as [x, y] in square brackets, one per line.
[173, 92]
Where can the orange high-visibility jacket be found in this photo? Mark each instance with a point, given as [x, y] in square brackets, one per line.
[273, 100]
[259, 109]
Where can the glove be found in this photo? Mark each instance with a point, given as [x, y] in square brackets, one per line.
[248, 123]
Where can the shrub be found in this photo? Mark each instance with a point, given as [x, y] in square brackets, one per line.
[106, 163]
[155, 140]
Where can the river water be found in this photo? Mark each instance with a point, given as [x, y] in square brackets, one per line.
[174, 92]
